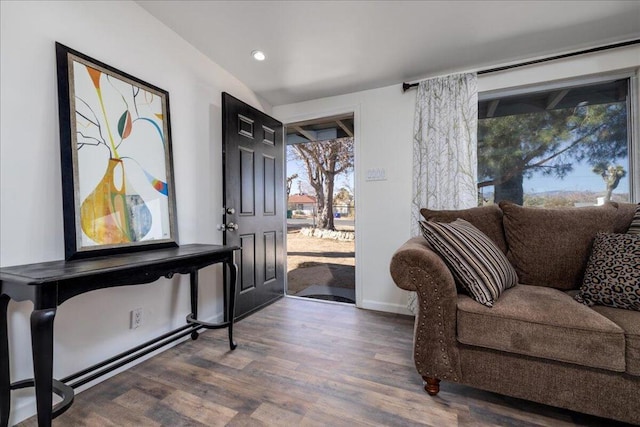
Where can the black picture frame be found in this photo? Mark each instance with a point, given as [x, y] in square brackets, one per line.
[116, 159]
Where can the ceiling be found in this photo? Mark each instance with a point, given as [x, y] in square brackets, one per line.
[321, 129]
[323, 48]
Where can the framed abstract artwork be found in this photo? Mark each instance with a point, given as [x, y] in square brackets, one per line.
[117, 173]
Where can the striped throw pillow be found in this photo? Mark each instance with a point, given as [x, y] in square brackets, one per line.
[475, 261]
[634, 227]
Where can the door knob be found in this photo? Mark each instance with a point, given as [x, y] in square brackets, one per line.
[230, 211]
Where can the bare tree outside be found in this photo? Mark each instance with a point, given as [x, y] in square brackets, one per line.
[323, 162]
[290, 180]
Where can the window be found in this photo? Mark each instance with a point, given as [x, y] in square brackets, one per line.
[561, 146]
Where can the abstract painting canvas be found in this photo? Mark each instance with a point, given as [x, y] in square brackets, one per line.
[115, 144]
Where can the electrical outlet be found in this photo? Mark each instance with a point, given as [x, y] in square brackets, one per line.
[136, 318]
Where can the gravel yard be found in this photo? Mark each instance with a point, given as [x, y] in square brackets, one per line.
[315, 261]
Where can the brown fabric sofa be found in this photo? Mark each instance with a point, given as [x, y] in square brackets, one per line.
[536, 342]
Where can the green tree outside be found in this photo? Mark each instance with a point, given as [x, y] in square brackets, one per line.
[512, 148]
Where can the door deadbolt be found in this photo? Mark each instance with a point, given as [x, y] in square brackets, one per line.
[227, 227]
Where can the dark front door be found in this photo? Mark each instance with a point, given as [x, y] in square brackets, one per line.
[253, 158]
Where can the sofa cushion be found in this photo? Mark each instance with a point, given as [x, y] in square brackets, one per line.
[629, 321]
[543, 322]
[634, 227]
[624, 215]
[487, 219]
[612, 277]
[550, 247]
[475, 261]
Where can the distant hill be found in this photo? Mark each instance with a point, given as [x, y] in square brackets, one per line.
[559, 198]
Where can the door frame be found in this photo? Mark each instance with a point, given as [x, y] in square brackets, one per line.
[345, 109]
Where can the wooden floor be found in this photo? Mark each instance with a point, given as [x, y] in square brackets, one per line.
[299, 363]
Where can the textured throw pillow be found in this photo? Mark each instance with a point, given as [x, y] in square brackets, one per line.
[634, 227]
[612, 277]
[475, 261]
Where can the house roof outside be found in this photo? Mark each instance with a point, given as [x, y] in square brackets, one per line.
[302, 198]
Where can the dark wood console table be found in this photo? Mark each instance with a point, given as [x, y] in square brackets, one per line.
[49, 284]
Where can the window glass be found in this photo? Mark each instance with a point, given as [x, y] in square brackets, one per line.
[560, 147]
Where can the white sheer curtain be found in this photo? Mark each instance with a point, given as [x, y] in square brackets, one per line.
[444, 147]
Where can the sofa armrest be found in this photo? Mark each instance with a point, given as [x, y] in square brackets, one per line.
[416, 267]
[414, 262]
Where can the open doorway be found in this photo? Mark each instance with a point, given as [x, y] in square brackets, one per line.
[321, 209]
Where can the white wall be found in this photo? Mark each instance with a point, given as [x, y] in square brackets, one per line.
[124, 36]
[93, 326]
[383, 123]
[384, 132]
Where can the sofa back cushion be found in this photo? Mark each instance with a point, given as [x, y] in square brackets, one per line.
[628, 216]
[551, 247]
[487, 219]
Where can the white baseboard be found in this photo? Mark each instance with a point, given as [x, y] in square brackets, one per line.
[386, 307]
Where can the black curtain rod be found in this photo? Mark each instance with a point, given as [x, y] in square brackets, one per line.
[407, 86]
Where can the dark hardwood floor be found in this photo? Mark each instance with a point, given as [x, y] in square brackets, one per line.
[299, 363]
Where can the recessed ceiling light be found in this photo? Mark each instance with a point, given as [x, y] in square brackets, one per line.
[258, 55]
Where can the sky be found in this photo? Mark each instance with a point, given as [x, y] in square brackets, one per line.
[581, 179]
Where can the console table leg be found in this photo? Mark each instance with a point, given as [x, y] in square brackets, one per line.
[193, 276]
[42, 350]
[233, 275]
[193, 281]
[5, 378]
